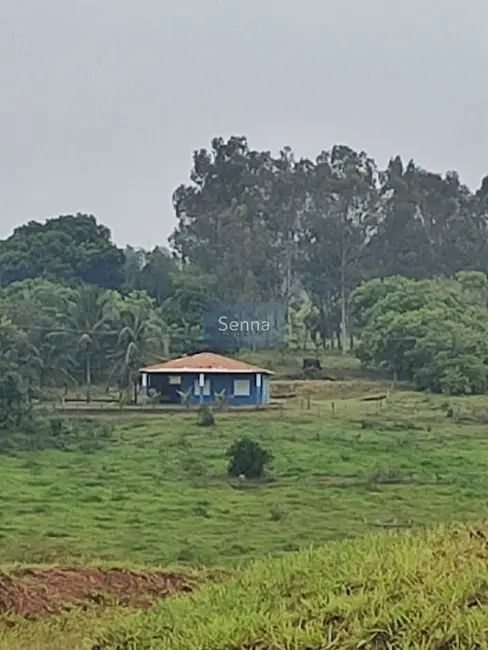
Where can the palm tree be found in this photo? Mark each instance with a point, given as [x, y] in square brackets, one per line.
[141, 337]
[90, 324]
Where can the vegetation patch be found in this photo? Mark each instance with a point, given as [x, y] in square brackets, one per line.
[60, 434]
[432, 332]
[388, 591]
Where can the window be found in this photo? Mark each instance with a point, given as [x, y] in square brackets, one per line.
[174, 380]
[206, 388]
[242, 387]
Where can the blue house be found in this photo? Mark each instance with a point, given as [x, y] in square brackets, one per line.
[204, 375]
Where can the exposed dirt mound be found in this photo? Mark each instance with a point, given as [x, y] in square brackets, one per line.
[35, 593]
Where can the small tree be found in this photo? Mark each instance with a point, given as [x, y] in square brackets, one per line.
[221, 400]
[248, 458]
[185, 398]
[205, 416]
[153, 397]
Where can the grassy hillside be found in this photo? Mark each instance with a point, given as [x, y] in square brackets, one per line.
[154, 493]
[416, 591]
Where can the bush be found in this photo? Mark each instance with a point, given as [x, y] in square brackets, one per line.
[205, 417]
[248, 458]
[276, 513]
[193, 465]
[221, 400]
[60, 434]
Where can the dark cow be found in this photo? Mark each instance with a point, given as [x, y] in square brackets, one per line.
[311, 364]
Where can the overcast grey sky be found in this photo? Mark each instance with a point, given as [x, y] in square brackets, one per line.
[103, 101]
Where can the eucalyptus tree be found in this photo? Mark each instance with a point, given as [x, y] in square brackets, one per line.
[236, 219]
[343, 211]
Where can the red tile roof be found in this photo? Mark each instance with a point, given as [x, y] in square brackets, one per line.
[205, 361]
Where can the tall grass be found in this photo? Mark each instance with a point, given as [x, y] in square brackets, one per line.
[418, 591]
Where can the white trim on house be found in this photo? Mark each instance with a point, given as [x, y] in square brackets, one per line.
[206, 371]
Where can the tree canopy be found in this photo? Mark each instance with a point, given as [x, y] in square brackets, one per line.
[394, 260]
[433, 332]
[66, 248]
[267, 226]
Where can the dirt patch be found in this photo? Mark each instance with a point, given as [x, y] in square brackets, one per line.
[34, 593]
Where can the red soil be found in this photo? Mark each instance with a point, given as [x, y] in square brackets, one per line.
[34, 593]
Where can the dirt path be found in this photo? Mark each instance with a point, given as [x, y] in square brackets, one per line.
[35, 593]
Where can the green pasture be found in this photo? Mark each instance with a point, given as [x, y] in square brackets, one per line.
[158, 493]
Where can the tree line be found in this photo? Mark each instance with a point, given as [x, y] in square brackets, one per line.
[269, 226]
[250, 226]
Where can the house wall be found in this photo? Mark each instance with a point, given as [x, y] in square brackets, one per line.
[161, 382]
[218, 382]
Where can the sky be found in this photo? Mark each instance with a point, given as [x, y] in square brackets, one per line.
[104, 101]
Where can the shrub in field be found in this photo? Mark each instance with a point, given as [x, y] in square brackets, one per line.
[248, 458]
[276, 513]
[205, 416]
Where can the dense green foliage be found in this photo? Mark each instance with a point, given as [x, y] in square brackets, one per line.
[269, 226]
[81, 334]
[247, 458]
[432, 332]
[74, 308]
[66, 248]
[253, 226]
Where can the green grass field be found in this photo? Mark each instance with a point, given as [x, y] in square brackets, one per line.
[157, 494]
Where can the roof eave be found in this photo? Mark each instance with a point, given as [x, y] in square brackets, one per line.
[223, 371]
